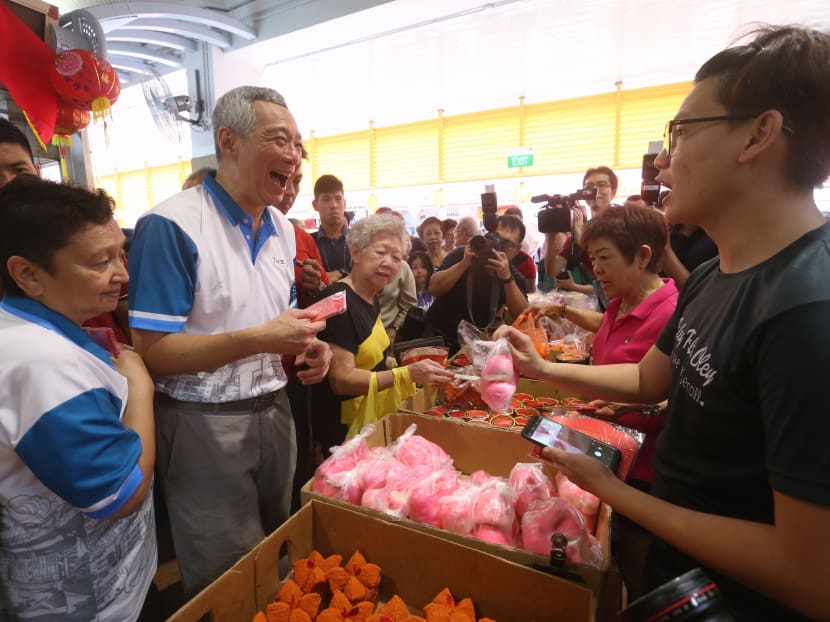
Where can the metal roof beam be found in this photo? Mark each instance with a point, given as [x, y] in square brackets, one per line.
[133, 66]
[136, 35]
[134, 50]
[185, 29]
[205, 17]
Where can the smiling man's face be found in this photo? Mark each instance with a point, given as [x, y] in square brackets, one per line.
[268, 158]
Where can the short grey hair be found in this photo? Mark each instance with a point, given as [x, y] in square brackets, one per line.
[366, 229]
[468, 224]
[235, 111]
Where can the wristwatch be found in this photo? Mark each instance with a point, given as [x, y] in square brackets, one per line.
[651, 410]
[507, 280]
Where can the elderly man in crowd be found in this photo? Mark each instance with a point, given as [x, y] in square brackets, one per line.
[212, 285]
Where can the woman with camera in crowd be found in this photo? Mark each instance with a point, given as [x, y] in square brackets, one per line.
[360, 388]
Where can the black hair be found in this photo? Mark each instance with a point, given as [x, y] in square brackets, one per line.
[604, 170]
[784, 68]
[10, 133]
[513, 223]
[326, 184]
[38, 217]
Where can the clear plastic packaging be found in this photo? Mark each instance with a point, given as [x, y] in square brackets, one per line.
[498, 377]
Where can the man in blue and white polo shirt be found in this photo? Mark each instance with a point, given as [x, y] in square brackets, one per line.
[77, 446]
[211, 302]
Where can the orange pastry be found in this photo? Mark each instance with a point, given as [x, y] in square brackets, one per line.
[341, 609]
[394, 611]
[443, 608]
[358, 580]
[310, 572]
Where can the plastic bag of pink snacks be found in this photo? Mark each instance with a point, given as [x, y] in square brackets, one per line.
[499, 377]
[425, 496]
[582, 500]
[552, 516]
[414, 450]
[494, 513]
[531, 484]
[338, 476]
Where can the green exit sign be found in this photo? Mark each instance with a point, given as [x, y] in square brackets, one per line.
[520, 158]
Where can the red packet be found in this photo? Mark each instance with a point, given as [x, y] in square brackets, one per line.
[329, 306]
[104, 337]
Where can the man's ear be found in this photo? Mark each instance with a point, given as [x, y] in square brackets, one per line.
[227, 141]
[26, 274]
[766, 129]
[314, 205]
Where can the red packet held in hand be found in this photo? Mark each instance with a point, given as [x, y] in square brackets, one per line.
[105, 338]
[328, 306]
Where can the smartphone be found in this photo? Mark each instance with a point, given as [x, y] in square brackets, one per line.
[547, 433]
[564, 274]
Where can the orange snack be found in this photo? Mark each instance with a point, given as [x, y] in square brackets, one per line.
[310, 572]
[443, 608]
[281, 612]
[259, 617]
[341, 609]
[394, 611]
[291, 596]
[358, 580]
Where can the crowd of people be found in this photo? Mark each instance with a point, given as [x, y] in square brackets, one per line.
[223, 389]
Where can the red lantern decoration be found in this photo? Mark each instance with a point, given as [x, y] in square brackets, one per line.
[69, 121]
[85, 81]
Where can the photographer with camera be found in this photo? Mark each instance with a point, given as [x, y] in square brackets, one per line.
[565, 260]
[476, 280]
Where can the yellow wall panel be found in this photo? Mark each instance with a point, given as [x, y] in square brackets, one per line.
[571, 135]
[346, 156]
[476, 145]
[406, 155]
[644, 116]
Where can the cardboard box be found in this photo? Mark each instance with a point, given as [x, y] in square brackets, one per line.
[475, 447]
[414, 565]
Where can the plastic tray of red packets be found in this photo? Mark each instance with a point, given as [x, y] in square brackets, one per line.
[628, 441]
[329, 306]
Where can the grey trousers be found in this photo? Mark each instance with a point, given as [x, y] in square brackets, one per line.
[226, 477]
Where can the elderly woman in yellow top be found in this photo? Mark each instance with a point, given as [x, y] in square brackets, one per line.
[360, 388]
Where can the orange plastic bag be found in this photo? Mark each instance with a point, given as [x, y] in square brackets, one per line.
[531, 324]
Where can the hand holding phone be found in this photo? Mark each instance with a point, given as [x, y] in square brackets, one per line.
[547, 433]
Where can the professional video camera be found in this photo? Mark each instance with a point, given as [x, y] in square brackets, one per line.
[483, 246]
[650, 187]
[556, 216]
[489, 207]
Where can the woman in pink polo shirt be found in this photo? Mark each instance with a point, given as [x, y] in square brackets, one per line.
[626, 245]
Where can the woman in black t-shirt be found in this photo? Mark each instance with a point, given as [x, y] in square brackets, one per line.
[359, 341]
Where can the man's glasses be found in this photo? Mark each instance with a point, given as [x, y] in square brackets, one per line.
[670, 133]
[599, 185]
[508, 246]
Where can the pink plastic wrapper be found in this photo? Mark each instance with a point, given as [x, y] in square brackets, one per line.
[495, 514]
[582, 500]
[338, 476]
[499, 378]
[425, 496]
[457, 508]
[416, 450]
[531, 484]
[552, 516]
[392, 502]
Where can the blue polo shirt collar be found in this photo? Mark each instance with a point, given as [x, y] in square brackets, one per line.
[237, 217]
[38, 313]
